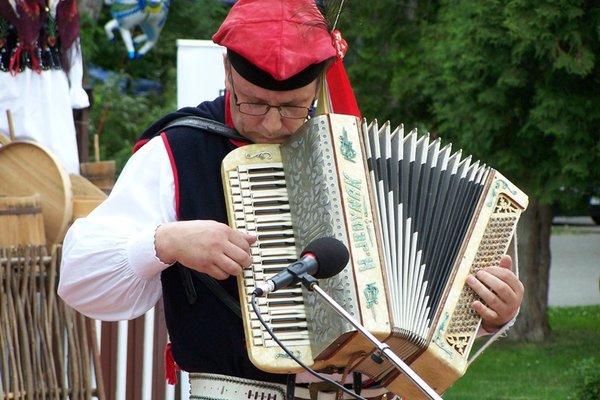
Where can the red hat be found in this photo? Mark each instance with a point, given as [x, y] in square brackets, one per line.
[276, 44]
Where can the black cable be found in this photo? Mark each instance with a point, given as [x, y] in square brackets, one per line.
[289, 353]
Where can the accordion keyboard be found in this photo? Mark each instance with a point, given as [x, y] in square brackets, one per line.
[259, 199]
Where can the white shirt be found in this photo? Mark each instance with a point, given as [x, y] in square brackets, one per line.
[109, 267]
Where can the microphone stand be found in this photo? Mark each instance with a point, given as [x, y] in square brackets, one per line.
[312, 284]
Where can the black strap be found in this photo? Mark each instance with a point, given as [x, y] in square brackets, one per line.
[219, 128]
[193, 121]
[218, 290]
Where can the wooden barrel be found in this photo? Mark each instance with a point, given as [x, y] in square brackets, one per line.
[22, 221]
[28, 168]
[100, 173]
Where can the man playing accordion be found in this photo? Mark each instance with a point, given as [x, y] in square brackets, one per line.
[166, 213]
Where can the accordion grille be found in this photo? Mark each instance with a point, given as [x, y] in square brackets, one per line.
[498, 233]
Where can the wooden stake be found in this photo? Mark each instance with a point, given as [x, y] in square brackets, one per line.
[11, 128]
[97, 147]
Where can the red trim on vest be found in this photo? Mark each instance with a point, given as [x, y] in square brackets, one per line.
[175, 174]
[139, 144]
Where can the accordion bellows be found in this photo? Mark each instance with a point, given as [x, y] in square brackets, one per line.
[417, 217]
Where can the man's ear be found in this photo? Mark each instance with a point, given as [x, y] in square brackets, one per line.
[227, 69]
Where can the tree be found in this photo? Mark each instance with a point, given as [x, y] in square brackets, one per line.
[383, 54]
[514, 83]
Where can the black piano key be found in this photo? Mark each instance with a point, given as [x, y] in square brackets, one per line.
[273, 244]
[278, 261]
[282, 294]
[271, 211]
[285, 320]
[264, 178]
[261, 228]
[276, 270]
[266, 236]
[267, 186]
[268, 203]
[264, 170]
[288, 328]
[285, 303]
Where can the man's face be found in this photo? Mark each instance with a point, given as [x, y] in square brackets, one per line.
[270, 127]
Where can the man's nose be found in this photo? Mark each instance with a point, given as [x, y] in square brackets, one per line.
[272, 121]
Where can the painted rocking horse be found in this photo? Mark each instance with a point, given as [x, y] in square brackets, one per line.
[148, 15]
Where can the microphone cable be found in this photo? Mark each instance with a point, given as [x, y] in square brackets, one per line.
[289, 353]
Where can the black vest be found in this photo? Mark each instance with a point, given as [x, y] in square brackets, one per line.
[206, 336]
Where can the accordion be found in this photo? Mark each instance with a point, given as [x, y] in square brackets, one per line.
[417, 218]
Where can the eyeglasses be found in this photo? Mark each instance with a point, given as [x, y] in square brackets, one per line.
[258, 109]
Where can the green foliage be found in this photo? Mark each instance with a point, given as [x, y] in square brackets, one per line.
[553, 31]
[383, 39]
[500, 91]
[119, 118]
[587, 375]
[117, 111]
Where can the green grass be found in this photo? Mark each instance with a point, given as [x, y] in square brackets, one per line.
[536, 371]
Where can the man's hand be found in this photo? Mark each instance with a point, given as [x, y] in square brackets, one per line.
[206, 246]
[501, 293]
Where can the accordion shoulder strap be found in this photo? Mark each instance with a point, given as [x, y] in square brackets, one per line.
[211, 284]
[205, 124]
[218, 291]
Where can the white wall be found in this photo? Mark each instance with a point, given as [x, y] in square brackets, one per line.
[200, 73]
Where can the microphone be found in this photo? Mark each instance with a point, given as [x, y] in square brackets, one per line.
[321, 258]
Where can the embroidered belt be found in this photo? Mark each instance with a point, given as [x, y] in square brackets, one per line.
[221, 387]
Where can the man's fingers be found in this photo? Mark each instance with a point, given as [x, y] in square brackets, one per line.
[483, 284]
[500, 291]
[240, 256]
[242, 239]
[486, 313]
[216, 272]
[506, 262]
[501, 280]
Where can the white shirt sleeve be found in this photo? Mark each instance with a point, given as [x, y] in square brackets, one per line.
[109, 267]
[79, 97]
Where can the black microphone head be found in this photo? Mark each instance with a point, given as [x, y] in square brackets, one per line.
[331, 254]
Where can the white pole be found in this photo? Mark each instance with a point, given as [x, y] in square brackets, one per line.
[148, 359]
[122, 360]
